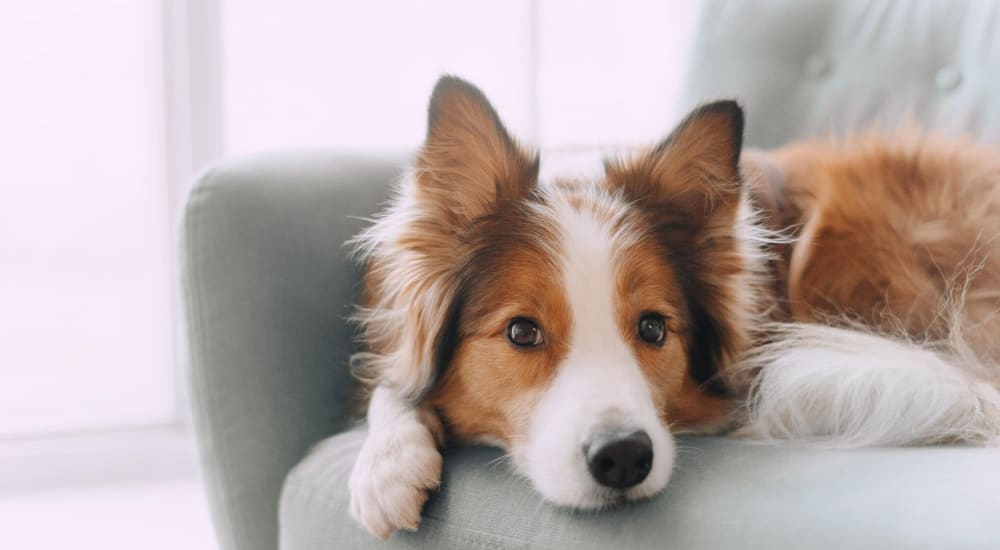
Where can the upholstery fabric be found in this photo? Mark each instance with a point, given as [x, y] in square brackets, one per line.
[268, 284]
[831, 66]
[724, 494]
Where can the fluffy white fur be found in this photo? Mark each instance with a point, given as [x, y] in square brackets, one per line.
[416, 295]
[599, 385]
[397, 465]
[846, 387]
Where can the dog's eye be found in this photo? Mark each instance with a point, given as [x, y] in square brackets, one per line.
[652, 329]
[524, 333]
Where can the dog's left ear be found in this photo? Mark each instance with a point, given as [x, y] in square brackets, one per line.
[695, 169]
[690, 187]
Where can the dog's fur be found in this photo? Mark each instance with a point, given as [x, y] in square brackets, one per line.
[842, 293]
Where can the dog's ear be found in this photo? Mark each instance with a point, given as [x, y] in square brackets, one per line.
[695, 169]
[691, 189]
[469, 163]
[469, 167]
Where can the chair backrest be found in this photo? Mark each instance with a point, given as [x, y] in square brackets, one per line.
[812, 67]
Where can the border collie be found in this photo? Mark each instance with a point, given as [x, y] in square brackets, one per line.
[840, 293]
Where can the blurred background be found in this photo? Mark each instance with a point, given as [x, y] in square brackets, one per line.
[108, 110]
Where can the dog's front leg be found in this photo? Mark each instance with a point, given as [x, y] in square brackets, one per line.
[397, 466]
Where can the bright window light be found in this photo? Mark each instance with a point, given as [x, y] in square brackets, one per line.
[84, 241]
[86, 275]
[356, 75]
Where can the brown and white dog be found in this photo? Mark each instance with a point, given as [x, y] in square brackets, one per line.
[836, 293]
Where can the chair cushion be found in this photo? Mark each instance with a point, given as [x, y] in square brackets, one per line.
[724, 494]
[832, 66]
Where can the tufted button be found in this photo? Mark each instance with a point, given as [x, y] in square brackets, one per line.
[817, 65]
[948, 78]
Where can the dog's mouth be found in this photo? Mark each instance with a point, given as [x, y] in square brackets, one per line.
[611, 498]
[600, 498]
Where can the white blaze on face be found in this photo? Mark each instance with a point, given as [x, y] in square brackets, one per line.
[599, 387]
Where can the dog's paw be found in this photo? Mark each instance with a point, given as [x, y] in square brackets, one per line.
[394, 471]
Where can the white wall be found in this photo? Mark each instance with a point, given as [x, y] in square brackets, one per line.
[609, 73]
[307, 73]
[562, 73]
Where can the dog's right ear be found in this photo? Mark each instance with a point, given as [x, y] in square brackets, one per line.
[469, 162]
[468, 167]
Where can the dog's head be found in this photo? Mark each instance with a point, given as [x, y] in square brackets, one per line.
[574, 323]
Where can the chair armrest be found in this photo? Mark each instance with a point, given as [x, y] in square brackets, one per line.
[267, 286]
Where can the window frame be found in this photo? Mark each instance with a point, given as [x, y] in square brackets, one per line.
[186, 64]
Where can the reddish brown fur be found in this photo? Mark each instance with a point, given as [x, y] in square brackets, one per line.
[897, 234]
[688, 189]
[886, 231]
[646, 282]
[890, 229]
[488, 386]
[687, 206]
[472, 255]
[468, 167]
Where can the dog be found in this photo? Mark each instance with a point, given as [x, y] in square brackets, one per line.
[841, 293]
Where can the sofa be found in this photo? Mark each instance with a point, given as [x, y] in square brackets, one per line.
[267, 286]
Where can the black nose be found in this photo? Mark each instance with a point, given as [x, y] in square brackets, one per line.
[620, 461]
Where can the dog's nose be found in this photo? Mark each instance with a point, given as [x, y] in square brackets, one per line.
[620, 461]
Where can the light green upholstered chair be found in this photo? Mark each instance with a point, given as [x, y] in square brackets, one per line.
[268, 286]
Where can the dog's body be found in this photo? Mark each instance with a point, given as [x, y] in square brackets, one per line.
[895, 242]
[577, 324]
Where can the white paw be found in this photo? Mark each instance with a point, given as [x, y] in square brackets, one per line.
[394, 471]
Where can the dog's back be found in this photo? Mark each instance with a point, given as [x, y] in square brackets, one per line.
[899, 233]
[894, 235]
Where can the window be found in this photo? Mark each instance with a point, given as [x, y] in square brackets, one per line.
[563, 74]
[84, 243]
[109, 106]
[357, 75]
[107, 110]
[85, 223]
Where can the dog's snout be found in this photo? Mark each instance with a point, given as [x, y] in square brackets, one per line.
[620, 461]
